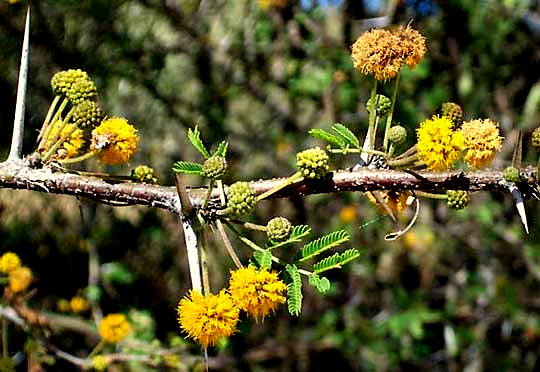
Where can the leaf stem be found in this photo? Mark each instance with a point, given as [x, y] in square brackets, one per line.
[391, 113]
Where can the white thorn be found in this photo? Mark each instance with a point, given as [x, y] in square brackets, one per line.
[18, 123]
[520, 206]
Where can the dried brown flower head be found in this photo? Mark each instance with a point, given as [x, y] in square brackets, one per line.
[413, 44]
[383, 53]
[377, 52]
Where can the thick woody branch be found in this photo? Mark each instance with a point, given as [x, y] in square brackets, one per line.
[18, 175]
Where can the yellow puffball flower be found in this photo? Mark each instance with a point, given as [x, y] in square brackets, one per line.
[208, 318]
[78, 304]
[482, 141]
[73, 144]
[20, 279]
[114, 327]
[257, 292]
[114, 141]
[439, 146]
[9, 262]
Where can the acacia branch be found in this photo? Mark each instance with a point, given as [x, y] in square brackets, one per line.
[19, 175]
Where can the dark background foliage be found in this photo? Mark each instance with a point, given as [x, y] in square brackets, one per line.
[460, 291]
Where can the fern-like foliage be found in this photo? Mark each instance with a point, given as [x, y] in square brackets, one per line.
[221, 149]
[297, 234]
[322, 244]
[336, 261]
[263, 259]
[294, 290]
[194, 137]
[346, 134]
[188, 167]
[328, 137]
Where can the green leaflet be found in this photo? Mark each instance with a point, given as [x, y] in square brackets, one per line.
[336, 261]
[264, 259]
[328, 137]
[322, 284]
[298, 232]
[322, 244]
[188, 167]
[194, 137]
[222, 149]
[294, 290]
[347, 135]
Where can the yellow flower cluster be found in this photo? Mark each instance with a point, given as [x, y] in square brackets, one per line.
[382, 53]
[208, 318]
[114, 141]
[72, 145]
[439, 146]
[20, 279]
[482, 141]
[114, 328]
[9, 262]
[257, 292]
[78, 304]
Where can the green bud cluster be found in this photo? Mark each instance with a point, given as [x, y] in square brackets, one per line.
[312, 163]
[278, 229]
[383, 105]
[397, 134]
[453, 112]
[76, 85]
[241, 198]
[84, 90]
[87, 115]
[458, 199]
[215, 167]
[143, 174]
[536, 138]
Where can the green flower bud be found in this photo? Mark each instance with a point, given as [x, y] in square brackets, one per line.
[278, 229]
[241, 198]
[82, 90]
[63, 82]
[215, 167]
[87, 115]
[453, 112]
[143, 174]
[536, 138]
[383, 105]
[458, 199]
[397, 134]
[511, 174]
[313, 163]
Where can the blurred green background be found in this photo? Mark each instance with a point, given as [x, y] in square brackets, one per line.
[458, 292]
